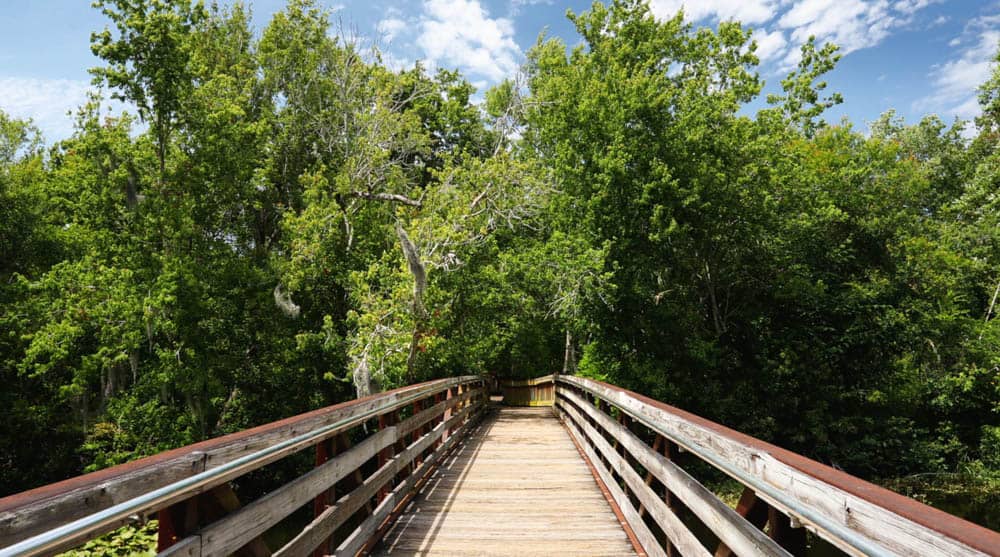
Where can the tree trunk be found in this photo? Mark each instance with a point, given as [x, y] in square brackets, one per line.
[989, 311]
[419, 273]
[362, 375]
[569, 358]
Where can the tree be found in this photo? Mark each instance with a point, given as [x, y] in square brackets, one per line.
[148, 59]
[801, 104]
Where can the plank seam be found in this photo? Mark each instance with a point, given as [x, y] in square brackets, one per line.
[607, 494]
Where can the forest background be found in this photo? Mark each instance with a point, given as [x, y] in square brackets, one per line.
[284, 222]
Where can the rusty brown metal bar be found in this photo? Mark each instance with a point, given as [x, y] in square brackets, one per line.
[949, 527]
[629, 532]
[57, 515]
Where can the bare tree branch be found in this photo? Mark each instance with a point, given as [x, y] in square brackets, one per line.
[392, 197]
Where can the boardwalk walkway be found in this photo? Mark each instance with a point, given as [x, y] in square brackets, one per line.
[517, 486]
[494, 482]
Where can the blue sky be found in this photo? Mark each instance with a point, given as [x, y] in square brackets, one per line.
[917, 56]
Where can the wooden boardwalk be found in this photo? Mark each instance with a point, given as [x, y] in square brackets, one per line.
[516, 486]
[507, 482]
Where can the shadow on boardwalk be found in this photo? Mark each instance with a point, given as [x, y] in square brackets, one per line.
[515, 486]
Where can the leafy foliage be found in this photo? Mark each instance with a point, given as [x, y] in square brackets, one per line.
[287, 223]
[139, 541]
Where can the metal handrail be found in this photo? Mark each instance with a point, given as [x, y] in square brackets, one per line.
[101, 520]
[964, 533]
[761, 486]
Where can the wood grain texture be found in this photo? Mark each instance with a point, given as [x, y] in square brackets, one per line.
[232, 532]
[672, 525]
[856, 516]
[30, 513]
[730, 527]
[517, 486]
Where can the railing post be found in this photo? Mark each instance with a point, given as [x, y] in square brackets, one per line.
[175, 522]
[343, 444]
[753, 509]
[759, 513]
[185, 518]
[384, 421]
[605, 409]
[398, 447]
[325, 450]
[447, 416]
[418, 407]
[670, 453]
[438, 397]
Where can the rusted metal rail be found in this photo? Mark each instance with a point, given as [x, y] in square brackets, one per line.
[353, 490]
[372, 455]
[634, 442]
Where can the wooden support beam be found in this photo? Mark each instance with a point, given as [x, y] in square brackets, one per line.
[721, 519]
[670, 452]
[356, 478]
[324, 452]
[399, 446]
[780, 529]
[185, 519]
[418, 406]
[176, 522]
[384, 421]
[752, 508]
[39, 510]
[649, 475]
[447, 414]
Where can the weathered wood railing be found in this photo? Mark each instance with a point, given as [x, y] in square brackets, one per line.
[633, 443]
[528, 392]
[355, 491]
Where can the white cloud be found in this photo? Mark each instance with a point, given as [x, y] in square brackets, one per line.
[956, 82]
[913, 6]
[516, 5]
[941, 20]
[782, 26]
[746, 11]
[770, 45]
[851, 24]
[460, 33]
[389, 28]
[46, 101]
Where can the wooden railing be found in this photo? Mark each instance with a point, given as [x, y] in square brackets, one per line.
[371, 455]
[528, 392]
[633, 443]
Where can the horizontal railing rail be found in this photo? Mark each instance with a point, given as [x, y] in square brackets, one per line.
[198, 512]
[528, 392]
[634, 443]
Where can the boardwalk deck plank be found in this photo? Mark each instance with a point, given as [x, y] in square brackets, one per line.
[517, 487]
